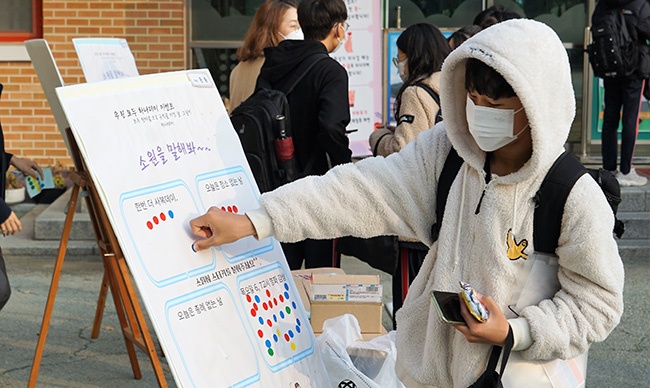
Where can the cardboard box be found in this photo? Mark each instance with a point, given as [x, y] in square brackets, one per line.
[345, 288]
[369, 314]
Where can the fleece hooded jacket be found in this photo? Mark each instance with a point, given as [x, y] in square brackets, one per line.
[397, 195]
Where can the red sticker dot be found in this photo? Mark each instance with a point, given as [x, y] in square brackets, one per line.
[229, 209]
[256, 306]
[275, 301]
[248, 298]
[286, 337]
[253, 312]
[281, 298]
[260, 333]
[234, 208]
[149, 225]
[268, 293]
[223, 208]
[163, 216]
[268, 322]
[265, 306]
[155, 220]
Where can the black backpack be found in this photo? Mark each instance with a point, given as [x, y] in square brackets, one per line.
[258, 120]
[613, 53]
[549, 199]
[435, 97]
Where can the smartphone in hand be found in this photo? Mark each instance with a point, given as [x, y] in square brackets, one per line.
[448, 307]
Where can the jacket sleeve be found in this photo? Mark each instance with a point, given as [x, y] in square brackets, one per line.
[589, 304]
[421, 108]
[334, 114]
[643, 26]
[5, 211]
[376, 196]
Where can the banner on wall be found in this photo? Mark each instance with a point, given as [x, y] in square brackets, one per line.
[360, 55]
[161, 150]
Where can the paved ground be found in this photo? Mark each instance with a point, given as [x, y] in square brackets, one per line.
[72, 359]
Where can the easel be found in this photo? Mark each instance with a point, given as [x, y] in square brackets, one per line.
[116, 277]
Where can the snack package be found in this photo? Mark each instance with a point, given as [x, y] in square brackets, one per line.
[475, 307]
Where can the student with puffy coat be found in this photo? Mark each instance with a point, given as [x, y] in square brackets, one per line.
[509, 104]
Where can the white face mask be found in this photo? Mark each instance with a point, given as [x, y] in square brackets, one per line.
[294, 35]
[341, 41]
[491, 128]
[401, 69]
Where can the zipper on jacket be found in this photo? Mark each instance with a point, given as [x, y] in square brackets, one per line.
[488, 175]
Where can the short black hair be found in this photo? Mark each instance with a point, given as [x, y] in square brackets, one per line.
[493, 15]
[317, 17]
[462, 34]
[484, 80]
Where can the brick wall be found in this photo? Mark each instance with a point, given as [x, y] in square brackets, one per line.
[155, 31]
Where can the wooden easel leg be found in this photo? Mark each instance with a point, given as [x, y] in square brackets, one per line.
[99, 311]
[54, 285]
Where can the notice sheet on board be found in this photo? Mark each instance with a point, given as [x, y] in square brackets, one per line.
[161, 151]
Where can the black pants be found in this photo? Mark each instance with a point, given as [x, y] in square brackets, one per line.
[315, 253]
[625, 94]
[5, 290]
[411, 257]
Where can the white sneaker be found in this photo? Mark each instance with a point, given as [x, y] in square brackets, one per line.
[631, 178]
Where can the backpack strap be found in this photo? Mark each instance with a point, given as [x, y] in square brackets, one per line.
[550, 200]
[449, 171]
[301, 71]
[436, 98]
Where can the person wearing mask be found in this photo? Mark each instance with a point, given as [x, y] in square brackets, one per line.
[9, 222]
[319, 106]
[508, 105]
[274, 21]
[624, 93]
[421, 50]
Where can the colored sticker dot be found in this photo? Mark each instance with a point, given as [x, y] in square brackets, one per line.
[281, 298]
[277, 332]
[275, 338]
[42, 185]
[223, 208]
[293, 304]
[260, 333]
[281, 314]
[265, 306]
[268, 293]
[256, 306]
[149, 225]
[257, 299]
[270, 303]
[234, 209]
[275, 318]
[268, 322]
[286, 286]
[298, 329]
[288, 309]
[270, 351]
[229, 209]
[298, 322]
[248, 298]
[286, 295]
[267, 343]
[261, 320]
[253, 312]
[170, 214]
[275, 302]
[291, 334]
[286, 337]
[163, 216]
[293, 346]
[155, 220]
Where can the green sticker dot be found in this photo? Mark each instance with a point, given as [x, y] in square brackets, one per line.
[288, 310]
[270, 352]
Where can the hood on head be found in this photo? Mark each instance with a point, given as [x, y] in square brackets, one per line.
[532, 59]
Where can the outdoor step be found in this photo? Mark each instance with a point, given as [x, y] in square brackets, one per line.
[634, 249]
[637, 225]
[49, 224]
[635, 199]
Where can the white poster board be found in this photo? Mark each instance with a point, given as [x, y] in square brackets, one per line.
[361, 57]
[105, 58]
[161, 150]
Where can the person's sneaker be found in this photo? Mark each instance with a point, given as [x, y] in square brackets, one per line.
[631, 179]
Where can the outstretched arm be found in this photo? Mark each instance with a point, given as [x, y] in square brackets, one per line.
[217, 227]
[29, 167]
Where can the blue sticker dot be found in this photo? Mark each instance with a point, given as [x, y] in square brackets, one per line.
[286, 286]
[298, 322]
[267, 343]
[171, 214]
[291, 333]
[42, 185]
[282, 314]
[286, 295]
[298, 329]
[275, 318]
[275, 337]
[293, 304]
[261, 320]
[257, 298]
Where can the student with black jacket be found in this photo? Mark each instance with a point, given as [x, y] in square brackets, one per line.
[319, 106]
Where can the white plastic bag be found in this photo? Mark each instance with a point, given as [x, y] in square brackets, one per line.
[350, 360]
